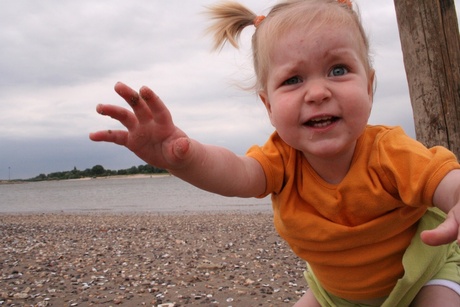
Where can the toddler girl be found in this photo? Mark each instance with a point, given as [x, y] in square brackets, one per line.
[355, 201]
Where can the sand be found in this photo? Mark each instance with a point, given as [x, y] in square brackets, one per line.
[231, 259]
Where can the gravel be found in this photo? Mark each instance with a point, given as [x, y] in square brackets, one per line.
[229, 259]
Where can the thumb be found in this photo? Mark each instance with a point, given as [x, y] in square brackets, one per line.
[181, 148]
[446, 232]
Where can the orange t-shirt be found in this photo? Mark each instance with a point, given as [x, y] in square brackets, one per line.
[354, 234]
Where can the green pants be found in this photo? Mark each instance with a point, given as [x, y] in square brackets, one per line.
[421, 262]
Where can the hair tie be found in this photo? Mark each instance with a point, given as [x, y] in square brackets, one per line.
[258, 20]
[346, 2]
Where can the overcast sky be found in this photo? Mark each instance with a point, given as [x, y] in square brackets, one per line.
[60, 58]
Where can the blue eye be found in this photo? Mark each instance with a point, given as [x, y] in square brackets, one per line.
[338, 71]
[293, 80]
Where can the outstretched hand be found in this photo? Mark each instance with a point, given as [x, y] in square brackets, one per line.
[151, 134]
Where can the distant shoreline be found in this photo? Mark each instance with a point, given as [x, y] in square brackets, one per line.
[135, 176]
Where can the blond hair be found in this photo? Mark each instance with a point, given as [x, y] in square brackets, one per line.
[231, 18]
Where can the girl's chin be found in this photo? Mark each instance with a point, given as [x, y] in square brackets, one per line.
[327, 150]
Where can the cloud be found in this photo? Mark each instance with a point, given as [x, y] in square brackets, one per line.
[59, 59]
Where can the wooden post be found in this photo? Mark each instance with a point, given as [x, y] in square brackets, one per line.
[431, 48]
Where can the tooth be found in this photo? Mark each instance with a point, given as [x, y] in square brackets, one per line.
[321, 119]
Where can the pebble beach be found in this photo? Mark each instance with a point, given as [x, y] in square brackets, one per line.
[214, 259]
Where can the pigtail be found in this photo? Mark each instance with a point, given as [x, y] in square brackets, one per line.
[230, 18]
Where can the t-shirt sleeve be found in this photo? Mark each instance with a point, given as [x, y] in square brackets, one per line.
[414, 170]
[270, 156]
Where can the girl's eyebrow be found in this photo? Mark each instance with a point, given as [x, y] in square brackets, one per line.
[287, 69]
[341, 52]
[344, 54]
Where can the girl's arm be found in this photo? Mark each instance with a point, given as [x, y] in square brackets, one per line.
[154, 138]
[446, 198]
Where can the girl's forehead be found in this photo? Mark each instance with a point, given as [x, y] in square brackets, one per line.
[318, 37]
[321, 44]
[322, 35]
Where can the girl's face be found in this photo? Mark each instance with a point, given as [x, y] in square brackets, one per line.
[319, 93]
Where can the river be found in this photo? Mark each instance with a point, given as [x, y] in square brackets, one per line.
[161, 194]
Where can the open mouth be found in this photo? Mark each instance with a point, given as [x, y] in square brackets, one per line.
[321, 122]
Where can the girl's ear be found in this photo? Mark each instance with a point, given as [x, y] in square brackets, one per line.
[371, 85]
[264, 97]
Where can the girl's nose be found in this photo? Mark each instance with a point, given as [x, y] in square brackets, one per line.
[317, 91]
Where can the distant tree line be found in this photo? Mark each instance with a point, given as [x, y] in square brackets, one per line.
[99, 171]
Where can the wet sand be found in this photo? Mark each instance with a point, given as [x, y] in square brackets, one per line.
[231, 259]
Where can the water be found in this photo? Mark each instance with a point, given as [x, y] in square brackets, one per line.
[162, 194]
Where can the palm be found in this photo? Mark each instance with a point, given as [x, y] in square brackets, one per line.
[151, 132]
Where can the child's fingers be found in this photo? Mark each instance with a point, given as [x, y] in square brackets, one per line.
[114, 136]
[158, 109]
[125, 117]
[140, 108]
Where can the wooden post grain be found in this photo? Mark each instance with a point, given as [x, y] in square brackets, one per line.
[431, 48]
